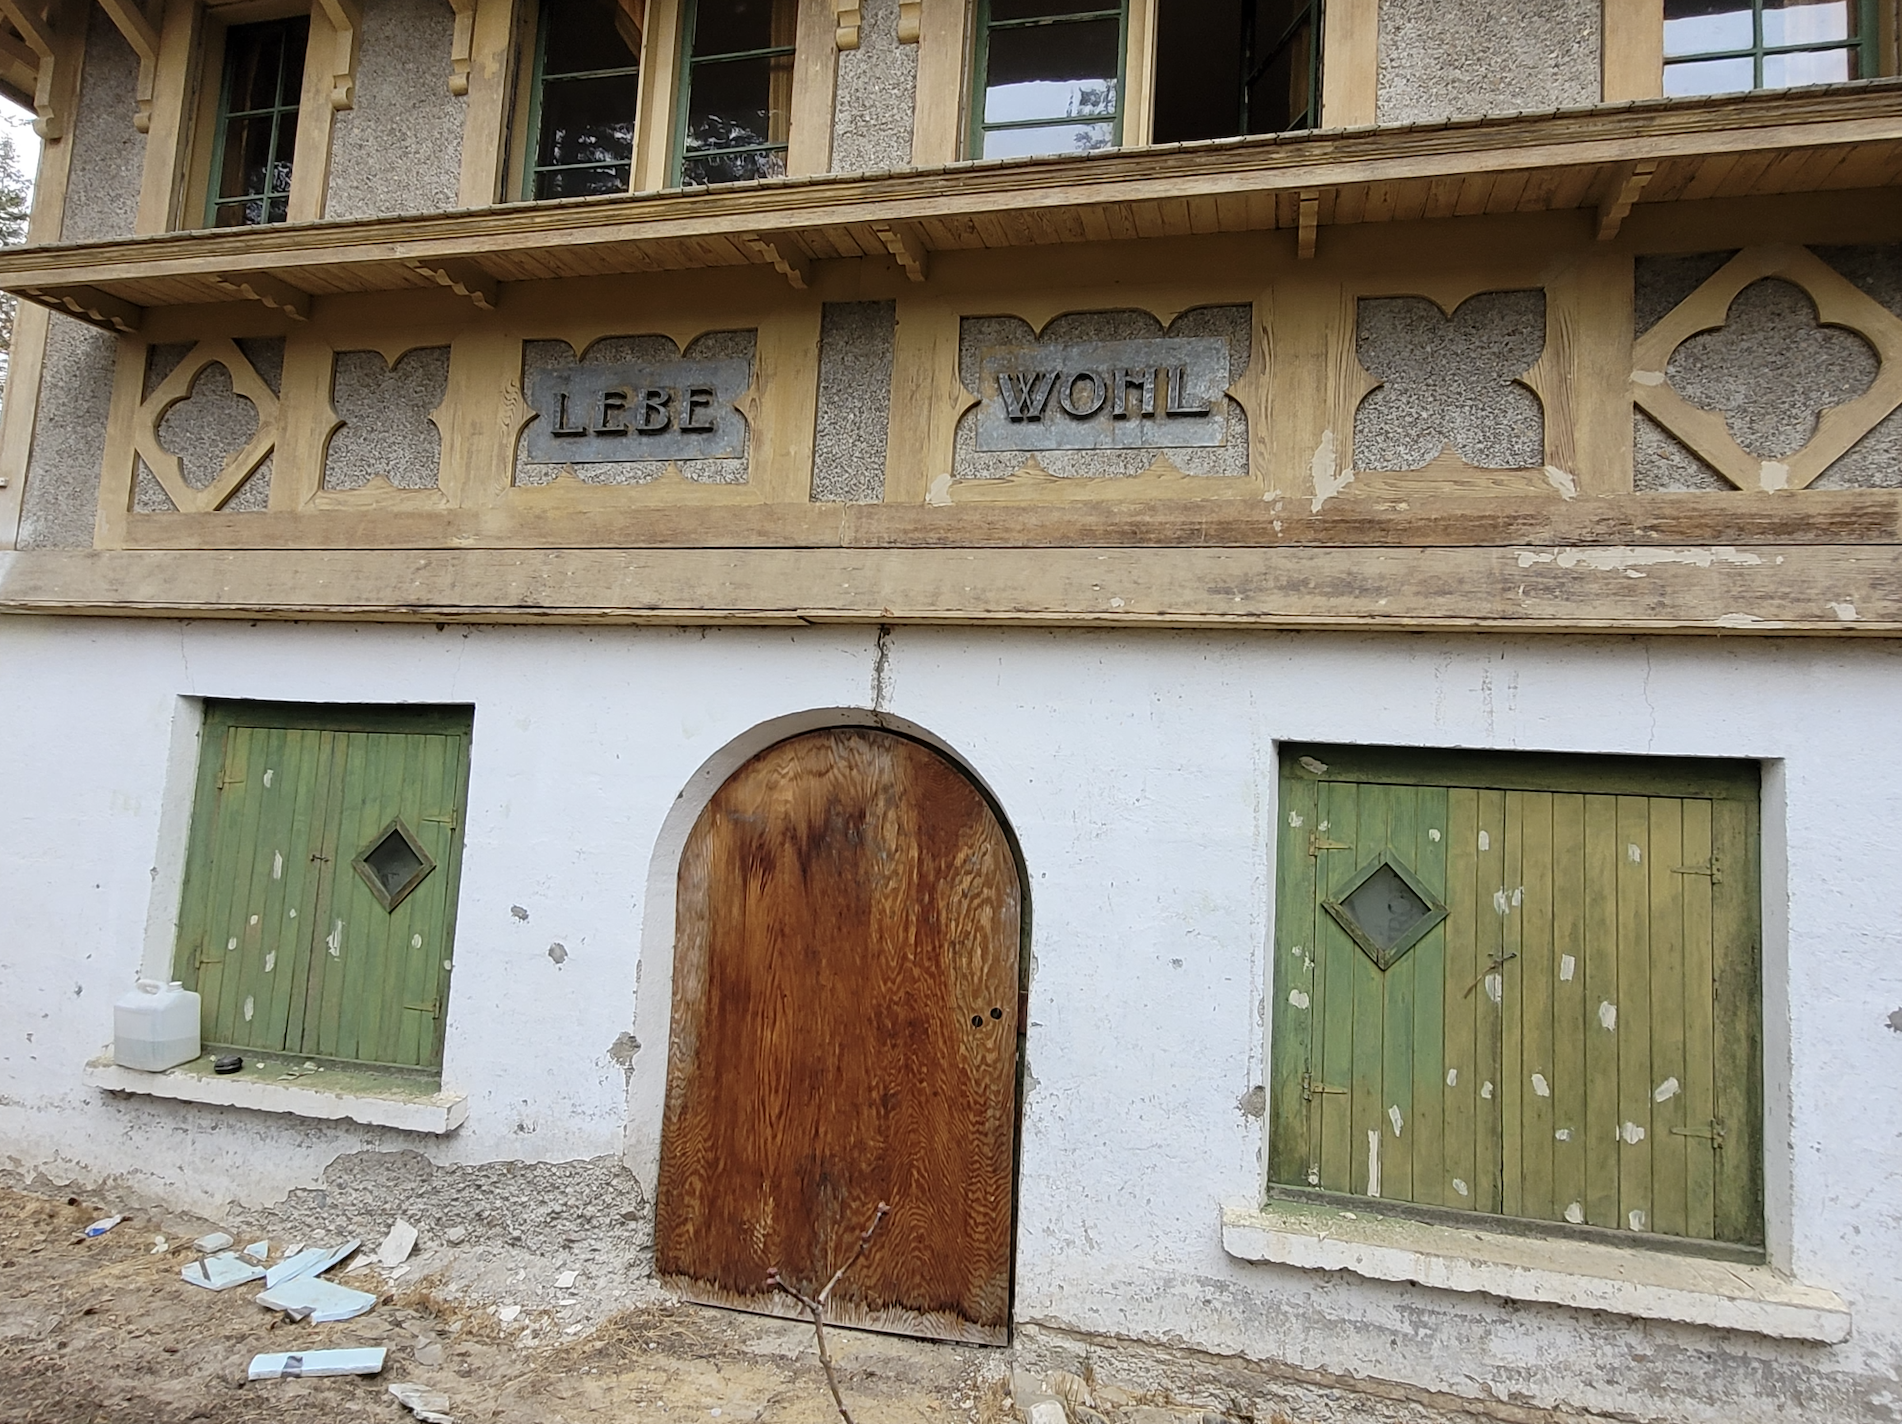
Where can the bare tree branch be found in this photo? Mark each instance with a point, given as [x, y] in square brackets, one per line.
[815, 1306]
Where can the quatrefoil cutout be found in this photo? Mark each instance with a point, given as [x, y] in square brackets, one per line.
[1841, 308]
[166, 467]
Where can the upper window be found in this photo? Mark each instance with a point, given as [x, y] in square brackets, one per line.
[256, 137]
[1052, 75]
[1722, 46]
[735, 107]
[586, 89]
[1521, 985]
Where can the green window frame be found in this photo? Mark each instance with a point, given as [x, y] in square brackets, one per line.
[701, 158]
[559, 91]
[1553, 1018]
[1024, 22]
[317, 919]
[255, 142]
[1297, 45]
[1729, 46]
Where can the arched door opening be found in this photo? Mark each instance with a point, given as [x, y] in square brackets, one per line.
[846, 1011]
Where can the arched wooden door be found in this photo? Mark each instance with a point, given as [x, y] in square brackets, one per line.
[845, 1022]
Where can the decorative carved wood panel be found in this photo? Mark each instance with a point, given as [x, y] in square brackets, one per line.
[845, 1030]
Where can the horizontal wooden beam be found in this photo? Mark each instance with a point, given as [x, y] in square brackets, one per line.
[1815, 589]
[262, 287]
[89, 304]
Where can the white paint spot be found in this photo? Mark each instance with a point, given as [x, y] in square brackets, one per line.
[1460, 1187]
[1495, 987]
[1773, 475]
[1297, 998]
[1319, 768]
[1314, 1176]
[1636, 1218]
[1452, 1077]
[1562, 481]
[1486, 1090]
[1501, 904]
[1393, 1116]
[1297, 951]
[1648, 378]
[334, 940]
[1564, 1134]
[1608, 1016]
[1568, 966]
[1618, 559]
[231, 944]
[254, 919]
[277, 865]
[1433, 833]
[1116, 603]
[293, 912]
[1634, 853]
[270, 961]
[1294, 818]
[445, 964]
[1737, 620]
[269, 772]
[1321, 470]
[1322, 829]
[1844, 610]
[250, 1006]
[1666, 1091]
[1540, 1086]
[1485, 841]
[939, 494]
[1373, 1161]
[415, 941]
[1575, 1213]
[1631, 1134]
[1518, 897]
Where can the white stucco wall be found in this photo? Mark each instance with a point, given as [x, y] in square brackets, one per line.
[1138, 771]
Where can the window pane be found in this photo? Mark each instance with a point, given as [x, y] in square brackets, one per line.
[1704, 27]
[1280, 96]
[247, 157]
[579, 36]
[1059, 71]
[739, 103]
[587, 121]
[295, 37]
[1039, 9]
[1054, 138]
[583, 182]
[1710, 76]
[1822, 66]
[734, 167]
[252, 54]
[739, 26]
[1791, 22]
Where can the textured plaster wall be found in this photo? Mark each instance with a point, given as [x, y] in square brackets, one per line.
[1138, 773]
[1233, 324]
[102, 195]
[1770, 370]
[400, 149]
[877, 87]
[856, 345]
[715, 345]
[1465, 57]
[385, 411]
[61, 499]
[1450, 381]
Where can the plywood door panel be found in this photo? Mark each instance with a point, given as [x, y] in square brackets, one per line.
[845, 1031]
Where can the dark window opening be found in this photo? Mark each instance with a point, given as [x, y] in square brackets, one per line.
[587, 88]
[1231, 67]
[736, 82]
[257, 123]
[1050, 78]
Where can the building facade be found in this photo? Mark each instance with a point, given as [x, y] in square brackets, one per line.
[1237, 654]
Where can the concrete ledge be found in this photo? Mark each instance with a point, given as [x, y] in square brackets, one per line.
[339, 1095]
[1648, 1285]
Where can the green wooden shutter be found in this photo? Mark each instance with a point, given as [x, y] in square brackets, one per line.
[1577, 1041]
[285, 939]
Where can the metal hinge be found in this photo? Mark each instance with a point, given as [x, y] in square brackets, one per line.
[449, 820]
[199, 957]
[1309, 1088]
[433, 1008]
[1715, 1132]
[1715, 870]
[1316, 844]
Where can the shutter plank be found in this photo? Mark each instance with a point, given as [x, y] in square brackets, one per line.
[1335, 1003]
[1669, 1150]
[1570, 1023]
[1490, 937]
[1634, 1010]
[1603, 851]
[1537, 972]
[1700, 1044]
[1514, 1068]
[1293, 1139]
[1429, 1090]
[1363, 825]
[1738, 995]
[1400, 833]
[1463, 1054]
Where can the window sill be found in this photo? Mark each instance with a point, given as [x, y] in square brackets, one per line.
[1648, 1285]
[373, 1099]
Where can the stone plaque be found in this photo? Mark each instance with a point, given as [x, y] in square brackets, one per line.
[1104, 395]
[624, 411]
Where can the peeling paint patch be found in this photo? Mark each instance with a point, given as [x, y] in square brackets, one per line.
[269, 772]
[1495, 987]
[1540, 1086]
[1453, 1074]
[939, 495]
[519, 913]
[231, 944]
[334, 940]
[1254, 1102]
[1844, 610]
[1321, 470]
[1608, 1016]
[1631, 1134]
[1297, 998]
[1485, 841]
[1563, 1134]
[1666, 1091]
[1373, 1161]
[1433, 833]
[1894, 1021]
[1648, 378]
[277, 865]
[1486, 1090]
[1393, 1116]
[623, 1049]
[1737, 620]
[1461, 1187]
[1637, 1219]
[250, 1006]
[1634, 853]
[1620, 559]
[1568, 966]
[1319, 768]
[558, 952]
[1575, 1213]
[1294, 818]
[415, 941]
[1773, 475]
[1562, 481]
[270, 961]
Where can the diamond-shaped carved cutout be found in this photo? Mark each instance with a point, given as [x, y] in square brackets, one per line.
[394, 865]
[1386, 910]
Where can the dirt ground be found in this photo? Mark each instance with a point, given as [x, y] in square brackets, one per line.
[104, 1330]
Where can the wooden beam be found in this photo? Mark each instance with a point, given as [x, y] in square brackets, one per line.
[462, 46]
[1633, 50]
[142, 34]
[19, 65]
[38, 35]
[1310, 222]
[1620, 194]
[89, 304]
[346, 18]
[1350, 63]
[788, 260]
[902, 242]
[463, 277]
[273, 292]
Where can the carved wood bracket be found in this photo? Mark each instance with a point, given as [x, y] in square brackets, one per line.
[847, 17]
[346, 19]
[910, 20]
[1839, 302]
[462, 47]
[37, 36]
[166, 467]
[141, 32]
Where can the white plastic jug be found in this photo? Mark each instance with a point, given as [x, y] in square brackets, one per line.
[155, 1027]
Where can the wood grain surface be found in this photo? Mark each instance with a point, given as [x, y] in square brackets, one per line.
[845, 1030]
